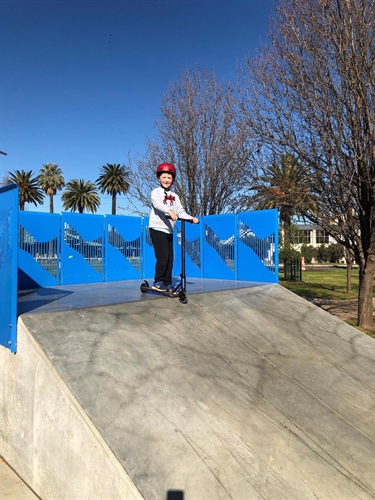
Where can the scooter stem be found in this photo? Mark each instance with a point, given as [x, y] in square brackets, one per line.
[183, 270]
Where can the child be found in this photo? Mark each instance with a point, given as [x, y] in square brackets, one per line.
[164, 201]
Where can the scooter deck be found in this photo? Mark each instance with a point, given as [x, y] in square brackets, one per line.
[167, 293]
[178, 292]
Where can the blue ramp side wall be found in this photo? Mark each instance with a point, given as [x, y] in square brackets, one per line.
[8, 266]
[258, 249]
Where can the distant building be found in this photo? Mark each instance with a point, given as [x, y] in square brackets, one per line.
[311, 234]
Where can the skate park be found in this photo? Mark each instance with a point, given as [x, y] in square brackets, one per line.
[247, 391]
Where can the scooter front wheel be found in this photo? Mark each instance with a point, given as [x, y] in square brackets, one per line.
[183, 298]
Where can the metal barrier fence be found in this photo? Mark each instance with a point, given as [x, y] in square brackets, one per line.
[293, 270]
[75, 248]
[8, 266]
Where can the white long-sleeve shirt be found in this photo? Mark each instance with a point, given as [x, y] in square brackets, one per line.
[163, 201]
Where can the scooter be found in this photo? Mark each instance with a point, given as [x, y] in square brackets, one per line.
[180, 289]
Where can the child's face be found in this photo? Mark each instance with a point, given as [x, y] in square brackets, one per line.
[166, 180]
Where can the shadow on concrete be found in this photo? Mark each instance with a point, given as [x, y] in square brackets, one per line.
[30, 300]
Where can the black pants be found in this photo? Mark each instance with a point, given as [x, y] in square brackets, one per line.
[163, 248]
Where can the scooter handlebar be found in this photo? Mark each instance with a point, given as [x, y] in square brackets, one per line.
[167, 216]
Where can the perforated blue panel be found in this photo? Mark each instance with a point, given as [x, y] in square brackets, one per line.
[219, 249]
[258, 246]
[193, 250]
[39, 249]
[148, 252]
[82, 248]
[123, 248]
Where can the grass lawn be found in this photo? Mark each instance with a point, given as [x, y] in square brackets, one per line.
[328, 284]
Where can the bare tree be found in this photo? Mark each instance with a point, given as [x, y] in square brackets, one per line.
[312, 93]
[198, 135]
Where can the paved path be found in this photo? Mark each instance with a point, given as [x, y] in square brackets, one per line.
[11, 486]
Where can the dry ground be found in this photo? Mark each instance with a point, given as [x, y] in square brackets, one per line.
[346, 310]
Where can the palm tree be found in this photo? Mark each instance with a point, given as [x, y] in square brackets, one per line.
[28, 188]
[286, 186]
[51, 179]
[80, 195]
[114, 180]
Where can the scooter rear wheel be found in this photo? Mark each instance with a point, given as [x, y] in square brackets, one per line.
[144, 286]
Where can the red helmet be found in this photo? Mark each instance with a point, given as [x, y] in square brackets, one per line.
[166, 167]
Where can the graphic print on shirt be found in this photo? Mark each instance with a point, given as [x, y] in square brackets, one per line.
[168, 197]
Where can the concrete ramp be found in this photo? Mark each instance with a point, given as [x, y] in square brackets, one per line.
[250, 393]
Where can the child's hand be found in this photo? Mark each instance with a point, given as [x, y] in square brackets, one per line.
[195, 220]
[172, 215]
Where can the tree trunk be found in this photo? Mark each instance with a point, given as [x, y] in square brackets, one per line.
[349, 276]
[114, 204]
[366, 283]
[51, 203]
[349, 266]
[287, 234]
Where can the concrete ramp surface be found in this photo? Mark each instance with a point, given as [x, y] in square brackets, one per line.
[250, 393]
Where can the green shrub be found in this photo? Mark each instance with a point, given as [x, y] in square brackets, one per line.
[323, 254]
[337, 252]
[309, 252]
[288, 254]
[332, 253]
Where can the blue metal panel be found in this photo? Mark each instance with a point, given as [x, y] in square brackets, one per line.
[39, 250]
[193, 248]
[258, 246]
[177, 251]
[149, 260]
[219, 234]
[123, 248]
[82, 248]
[8, 266]
[85, 248]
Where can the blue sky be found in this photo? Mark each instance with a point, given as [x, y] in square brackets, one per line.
[82, 80]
